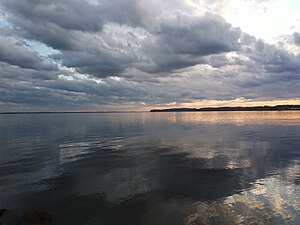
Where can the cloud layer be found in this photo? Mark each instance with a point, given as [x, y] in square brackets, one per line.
[123, 54]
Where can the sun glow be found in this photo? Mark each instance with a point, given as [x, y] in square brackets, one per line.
[228, 103]
[264, 19]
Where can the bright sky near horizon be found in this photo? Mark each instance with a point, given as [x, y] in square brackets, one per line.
[264, 19]
[138, 54]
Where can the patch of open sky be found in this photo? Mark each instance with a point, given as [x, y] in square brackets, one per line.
[41, 48]
[3, 22]
[274, 19]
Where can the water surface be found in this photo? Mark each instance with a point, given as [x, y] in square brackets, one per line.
[152, 168]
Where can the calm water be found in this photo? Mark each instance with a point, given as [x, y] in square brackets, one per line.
[152, 168]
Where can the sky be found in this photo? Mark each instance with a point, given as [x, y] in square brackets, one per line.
[85, 55]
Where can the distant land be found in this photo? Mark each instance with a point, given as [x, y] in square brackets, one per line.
[238, 108]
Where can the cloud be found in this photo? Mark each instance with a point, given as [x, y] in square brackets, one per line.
[197, 36]
[272, 59]
[176, 43]
[62, 24]
[68, 14]
[183, 41]
[173, 42]
[15, 52]
[80, 15]
[103, 55]
[129, 52]
[296, 36]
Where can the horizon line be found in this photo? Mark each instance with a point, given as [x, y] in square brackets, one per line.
[61, 112]
[140, 111]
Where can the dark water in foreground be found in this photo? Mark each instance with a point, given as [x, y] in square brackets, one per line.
[152, 168]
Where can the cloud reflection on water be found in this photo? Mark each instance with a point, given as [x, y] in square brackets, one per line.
[152, 169]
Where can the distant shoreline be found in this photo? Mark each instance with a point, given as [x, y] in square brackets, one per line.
[239, 108]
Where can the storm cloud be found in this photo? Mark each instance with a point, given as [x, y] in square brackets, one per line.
[183, 41]
[15, 52]
[93, 54]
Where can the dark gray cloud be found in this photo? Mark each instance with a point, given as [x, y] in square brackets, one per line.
[16, 73]
[176, 43]
[101, 56]
[62, 93]
[62, 24]
[269, 58]
[67, 14]
[123, 52]
[50, 34]
[184, 41]
[75, 15]
[197, 36]
[170, 44]
[15, 52]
